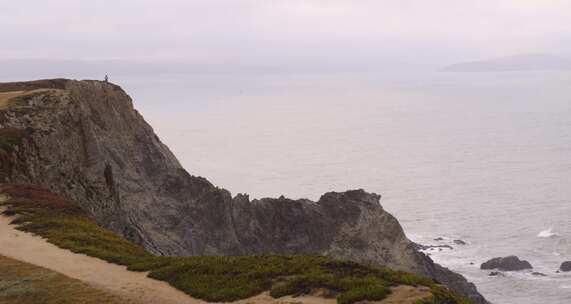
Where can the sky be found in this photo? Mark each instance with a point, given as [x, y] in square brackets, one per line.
[280, 32]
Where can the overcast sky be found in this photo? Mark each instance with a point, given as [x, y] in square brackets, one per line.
[277, 32]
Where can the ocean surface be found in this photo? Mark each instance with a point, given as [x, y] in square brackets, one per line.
[482, 157]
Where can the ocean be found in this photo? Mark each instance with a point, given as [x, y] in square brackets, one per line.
[481, 157]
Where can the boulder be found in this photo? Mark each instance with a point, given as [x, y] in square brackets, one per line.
[509, 263]
[565, 266]
[459, 242]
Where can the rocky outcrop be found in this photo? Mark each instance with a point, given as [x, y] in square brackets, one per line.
[433, 247]
[509, 263]
[565, 266]
[456, 282]
[84, 139]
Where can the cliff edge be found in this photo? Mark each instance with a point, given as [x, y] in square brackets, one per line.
[85, 140]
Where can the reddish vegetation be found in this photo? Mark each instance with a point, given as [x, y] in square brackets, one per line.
[34, 198]
[33, 85]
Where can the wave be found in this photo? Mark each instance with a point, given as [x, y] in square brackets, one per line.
[547, 233]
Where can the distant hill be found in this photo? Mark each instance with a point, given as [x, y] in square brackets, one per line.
[522, 62]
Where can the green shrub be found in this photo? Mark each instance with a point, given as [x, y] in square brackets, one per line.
[443, 295]
[366, 292]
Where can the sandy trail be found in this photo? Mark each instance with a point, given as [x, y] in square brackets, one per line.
[136, 286]
[116, 279]
[98, 273]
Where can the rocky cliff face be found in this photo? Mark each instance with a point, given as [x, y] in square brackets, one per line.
[84, 139]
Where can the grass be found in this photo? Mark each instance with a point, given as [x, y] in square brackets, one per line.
[211, 278]
[23, 100]
[64, 224]
[28, 101]
[33, 85]
[23, 283]
[443, 295]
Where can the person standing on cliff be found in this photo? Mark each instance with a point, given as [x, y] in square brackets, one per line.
[106, 78]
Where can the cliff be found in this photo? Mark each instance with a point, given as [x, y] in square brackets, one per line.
[85, 140]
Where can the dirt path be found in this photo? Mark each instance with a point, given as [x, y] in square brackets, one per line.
[116, 279]
[136, 286]
[24, 283]
[98, 273]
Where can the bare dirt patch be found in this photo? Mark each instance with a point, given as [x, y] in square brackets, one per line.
[23, 283]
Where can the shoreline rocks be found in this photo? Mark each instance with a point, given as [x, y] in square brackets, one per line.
[509, 263]
[565, 266]
[432, 247]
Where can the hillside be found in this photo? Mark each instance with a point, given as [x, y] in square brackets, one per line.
[85, 141]
[522, 62]
[210, 278]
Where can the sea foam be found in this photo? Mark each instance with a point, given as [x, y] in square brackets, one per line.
[547, 233]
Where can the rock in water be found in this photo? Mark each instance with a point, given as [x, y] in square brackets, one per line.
[565, 266]
[509, 263]
[85, 140]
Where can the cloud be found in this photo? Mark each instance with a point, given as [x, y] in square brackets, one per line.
[280, 31]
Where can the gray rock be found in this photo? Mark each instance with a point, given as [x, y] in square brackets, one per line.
[496, 274]
[565, 266]
[459, 242]
[87, 142]
[538, 274]
[509, 263]
[433, 247]
[456, 282]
